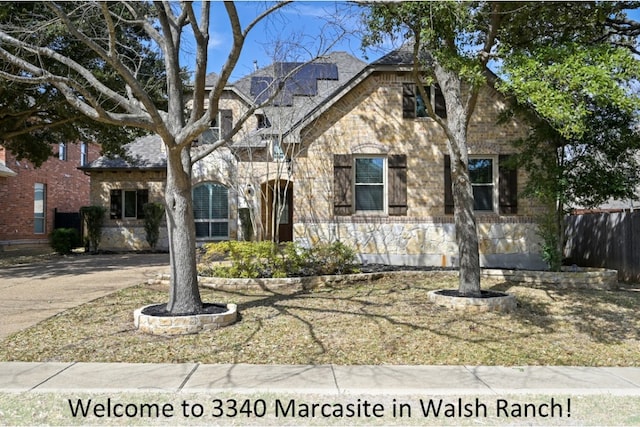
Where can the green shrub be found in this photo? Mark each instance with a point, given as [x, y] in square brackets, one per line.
[93, 217]
[64, 240]
[153, 214]
[333, 258]
[267, 259]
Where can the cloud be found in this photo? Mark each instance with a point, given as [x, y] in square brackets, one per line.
[216, 40]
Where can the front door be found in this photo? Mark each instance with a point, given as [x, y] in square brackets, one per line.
[277, 210]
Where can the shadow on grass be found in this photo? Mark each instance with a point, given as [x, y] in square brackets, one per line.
[369, 303]
[606, 316]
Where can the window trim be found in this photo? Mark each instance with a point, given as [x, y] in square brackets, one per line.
[495, 207]
[385, 186]
[40, 216]
[410, 94]
[121, 209]
[125, 204]
[62, 151]
[226, 220]
[84, 154]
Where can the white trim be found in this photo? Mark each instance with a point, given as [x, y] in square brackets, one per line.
[354, 184]
[495, 196]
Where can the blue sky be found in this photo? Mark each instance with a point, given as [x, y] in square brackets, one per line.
[297, 32]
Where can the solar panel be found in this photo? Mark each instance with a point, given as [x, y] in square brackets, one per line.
[260, 90]
[295, 79]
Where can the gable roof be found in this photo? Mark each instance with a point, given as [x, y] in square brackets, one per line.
[5, 171]
[145, 153]
[307, 90]
[296, 88]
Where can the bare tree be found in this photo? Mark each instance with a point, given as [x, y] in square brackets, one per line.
[132, 102]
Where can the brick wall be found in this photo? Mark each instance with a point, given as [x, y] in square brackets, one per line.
[67, 189]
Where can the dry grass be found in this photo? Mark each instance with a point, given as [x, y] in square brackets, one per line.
[389, 321]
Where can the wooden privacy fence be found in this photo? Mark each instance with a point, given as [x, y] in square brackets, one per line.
[607, 240]
[67, 220]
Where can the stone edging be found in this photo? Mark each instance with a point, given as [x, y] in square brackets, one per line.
[182, 325]
[504, 303]
[292, 283]
[590, 278]
[584, 278]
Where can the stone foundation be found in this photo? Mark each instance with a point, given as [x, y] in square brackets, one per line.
[397, 242]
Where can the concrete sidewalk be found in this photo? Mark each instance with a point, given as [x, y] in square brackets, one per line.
[322, 379]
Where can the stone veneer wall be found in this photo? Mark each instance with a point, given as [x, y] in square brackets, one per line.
[419, 243]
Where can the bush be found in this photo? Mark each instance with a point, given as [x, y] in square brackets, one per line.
[93, 217]
[267, 259]
[64, 240]
[153, 214]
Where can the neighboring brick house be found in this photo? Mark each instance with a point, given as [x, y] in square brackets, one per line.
[30, 196]
[344, 153]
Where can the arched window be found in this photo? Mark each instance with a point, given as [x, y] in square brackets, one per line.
[211, 211]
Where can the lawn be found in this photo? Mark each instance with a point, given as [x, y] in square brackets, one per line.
[388, 321]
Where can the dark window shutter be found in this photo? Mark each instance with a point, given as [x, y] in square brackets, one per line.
[342, 193]
[397, 185]
[227, 122]
[408, 101]
[142, 198]
[448, 191]
[115, 204]
[440, 107]
[507, 186]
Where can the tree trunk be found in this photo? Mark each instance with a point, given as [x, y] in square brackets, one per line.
[184, 295]
[466, 230]
[464, 216]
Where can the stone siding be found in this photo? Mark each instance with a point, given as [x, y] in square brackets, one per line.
[427, 242]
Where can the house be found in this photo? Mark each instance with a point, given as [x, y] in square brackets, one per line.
[342, 152]
[30, 197]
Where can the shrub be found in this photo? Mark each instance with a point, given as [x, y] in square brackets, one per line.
[93, 217]
[153, 214]
[267, 259]
[333, 258]
[64, 240]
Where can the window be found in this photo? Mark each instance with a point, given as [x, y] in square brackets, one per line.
[482, 181]
[370, 184]
[494, 182]
[220, 127]
[39, 208]
[211, 211]
[62, 151]
[263, 121]
[128, 204]
[84, 154]
[413, 104]
[277, 153]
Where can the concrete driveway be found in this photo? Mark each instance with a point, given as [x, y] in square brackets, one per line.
[32, 293]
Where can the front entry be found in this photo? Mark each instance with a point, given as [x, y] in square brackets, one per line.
[277, 210]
